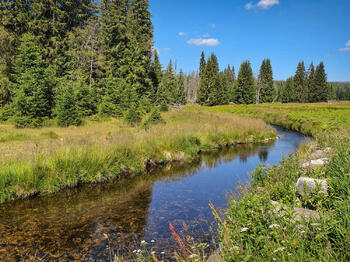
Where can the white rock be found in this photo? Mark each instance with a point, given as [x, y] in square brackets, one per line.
[319, 162]
[308, 185]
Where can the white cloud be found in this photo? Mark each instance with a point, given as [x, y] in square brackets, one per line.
[266, 4]
[206, 35]
[201, 41]
[346, 48]
[182, 34]
[249, 6]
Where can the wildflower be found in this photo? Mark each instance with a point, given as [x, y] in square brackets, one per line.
[280, 249]
[193, 256]
[302, 231]
[274, 259]
[163, 253]
[134, 251]
[244, 229]
[152, 241]
[315, 224]
[153, 252]
[274, 226]
[235, 248]
[143, 242]
[139, 251]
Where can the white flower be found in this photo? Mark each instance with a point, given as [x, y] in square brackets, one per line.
[134, 251]
[274, 259]
[279, 249]
[152, 241]
[235, 248]
[139, 251]
[143, 242]
[274, 226]
[153, 252]
[302, 231]
[315, 224]
[193, 256]
[244, 229]
[163, 253]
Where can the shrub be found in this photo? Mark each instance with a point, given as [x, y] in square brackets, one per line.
[164, 107]
[154, 118]
[133, 116]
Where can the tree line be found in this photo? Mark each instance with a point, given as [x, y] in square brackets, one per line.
[72, 59]
[221, 87]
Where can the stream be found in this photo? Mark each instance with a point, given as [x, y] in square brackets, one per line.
[81, 224]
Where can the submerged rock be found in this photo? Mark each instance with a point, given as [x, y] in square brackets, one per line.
[309, 185]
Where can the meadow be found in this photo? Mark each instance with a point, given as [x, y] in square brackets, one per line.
[47, 160]
[252, 229]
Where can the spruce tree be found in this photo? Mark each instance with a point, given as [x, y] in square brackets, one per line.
[288, 91]
[245, 91]
[321, 86]
[265, 90]
[33, 94]
[202, 64]
[66, 108]
[300, 84]
[181, 97]
[229, 74]
[85, 96]
[312, 94]
[156, 76]
[168, 89]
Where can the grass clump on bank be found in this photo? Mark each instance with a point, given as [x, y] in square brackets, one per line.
[51, 159]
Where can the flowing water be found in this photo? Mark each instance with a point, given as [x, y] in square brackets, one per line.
[81, 224]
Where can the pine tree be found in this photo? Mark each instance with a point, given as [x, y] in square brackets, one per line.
[300, 84]
[202, 64]
[321, 86]
[66, 109]
[33, 95]
[265, 90]
[245, 91]
[311, 84]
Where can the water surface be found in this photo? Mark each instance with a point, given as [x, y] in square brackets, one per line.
[82, 223]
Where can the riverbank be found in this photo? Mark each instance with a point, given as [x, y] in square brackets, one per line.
[43, 161]
[254, 230]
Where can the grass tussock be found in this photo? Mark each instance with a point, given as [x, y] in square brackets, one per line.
[50, 159]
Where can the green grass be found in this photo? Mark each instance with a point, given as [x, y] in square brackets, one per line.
[252, 230]
[47, 160]
[308, 119]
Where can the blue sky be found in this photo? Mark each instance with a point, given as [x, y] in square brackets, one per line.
[286, 31]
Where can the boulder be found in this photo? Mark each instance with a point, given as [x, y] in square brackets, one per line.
[300, 213]
[315, 163]
[308, 185]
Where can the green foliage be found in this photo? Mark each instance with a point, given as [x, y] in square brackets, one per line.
[66, 107]
[265, 90]
[133, 116]
[85, 97]
[245, 91]
[164, 107]
[288, 91]
[33, 94]
[154, 118]
[300, 84]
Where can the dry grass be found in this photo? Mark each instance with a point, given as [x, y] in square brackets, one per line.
[50, 159]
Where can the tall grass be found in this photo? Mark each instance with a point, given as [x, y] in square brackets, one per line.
[57, 158]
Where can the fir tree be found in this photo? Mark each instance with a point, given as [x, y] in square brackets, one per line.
[181, 96]
[85, 97]
[265, 90]
[167, 91]
[156, 75]
[245, 91]
[229, 74]
[300, 84]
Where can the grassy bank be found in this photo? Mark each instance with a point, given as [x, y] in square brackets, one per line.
[308, 119]
[252, 229]
[43, 161]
